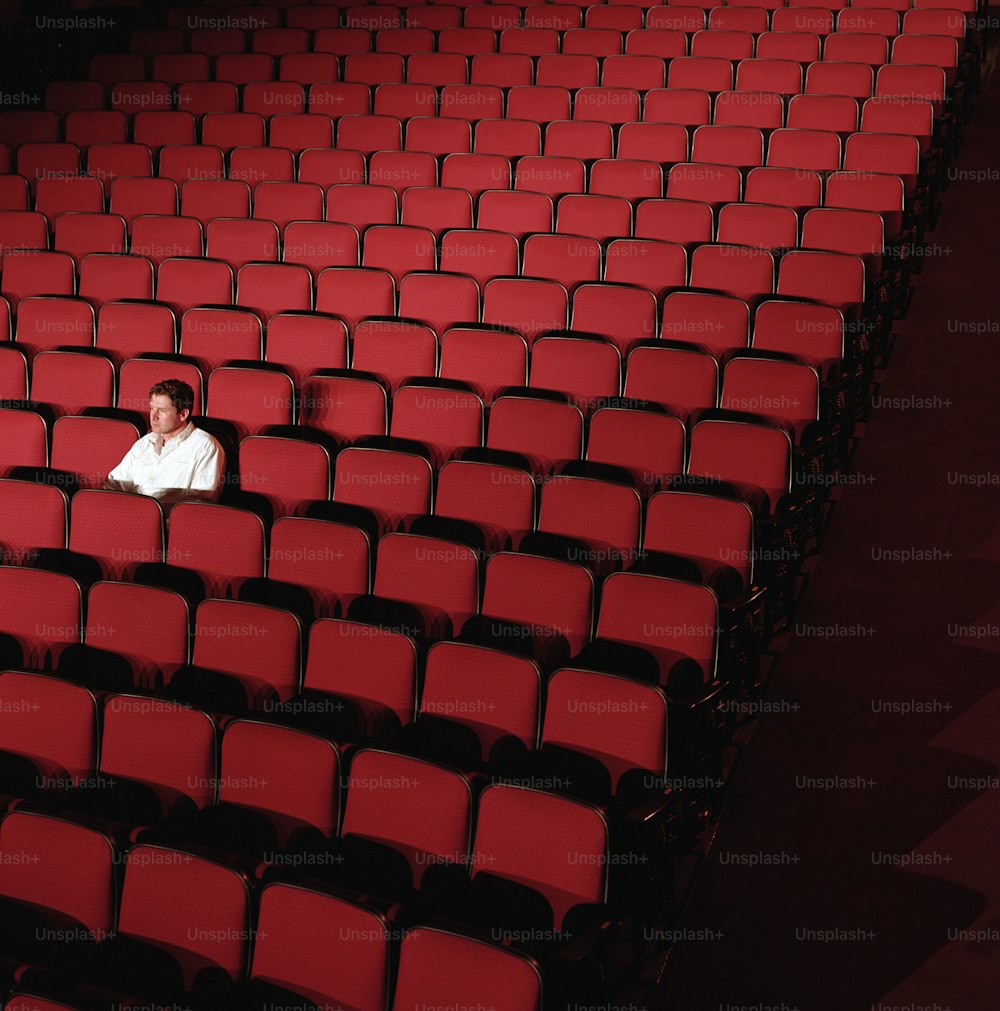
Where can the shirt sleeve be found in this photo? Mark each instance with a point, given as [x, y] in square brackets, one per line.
[122, 478]
[209, 467]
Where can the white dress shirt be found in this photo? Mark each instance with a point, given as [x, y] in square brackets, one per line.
[189, 465]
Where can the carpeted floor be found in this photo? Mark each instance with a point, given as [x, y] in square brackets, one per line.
[856, 864]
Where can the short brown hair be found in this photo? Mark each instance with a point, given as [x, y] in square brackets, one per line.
[181, 395]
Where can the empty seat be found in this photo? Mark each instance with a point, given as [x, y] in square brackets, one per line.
[528, 306]
[682, 380]
[303, 342]
[743, 271]
[502, 70]
[816, 150]
[483, 254]
[269, 288]
[213, 336]
[65, 874]
[676, 622]
[426, 584]
[42, 611]
[137, 521]
[853, 79]
[116, 628]
[551, 174]
[707, 73]
[360, 680]
[284, 202]
[497, 709]
[823, 112]
[512, 138]
[607, 735]
[57, 195]
[158, 130]
[401, 169]
[36, 272]
[808, 330]
[683, 106]
[71, 381]
[436, 208]
[183, 283]
[33, 516]
[81, 234]
[440, 300]
[499, 499]
[484, 358]
[362, 205]
[251, 396]
[394, 350]
[392, 484]
[796, 188]
[587, 140]
[567, 259]
[652, 264]
[686, 222]
[183, 161]
[109, 277]
[716, 323]
[622, 314]
[444, 420]
[89, 448]
[180, 913]
[45, 324]
[399, 249]
[799, 44]
[786, 391]
[510, 848]
[320, 244]
[221, 543]
[717, 534]
[846, 230]
[634, 180]
[546, 432]
[553, 598]
[711, 184]
[754, 457]
[742, 146]
[207, 199]
[355, 293]
[836, 279]
[257, 669]
[593, 522]
[288, 472]
[50, 732]
[236, 241]
[331, 560]
[780, 77]
[27, 431]
[869, 191]
[649, 445]
[287, 964]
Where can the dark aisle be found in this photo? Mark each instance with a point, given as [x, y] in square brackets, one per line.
[855, 864]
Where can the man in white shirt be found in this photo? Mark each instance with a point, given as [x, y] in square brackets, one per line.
[175, 461]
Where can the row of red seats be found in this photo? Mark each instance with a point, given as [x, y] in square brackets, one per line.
[354, 294]
[291, 126]
[543, 429]
[433, 588]
[666, 39]
[324, 26]
[284, 943]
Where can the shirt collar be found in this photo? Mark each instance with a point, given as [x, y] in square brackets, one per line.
[157, 440]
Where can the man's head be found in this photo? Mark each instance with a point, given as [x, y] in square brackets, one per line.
[170, 404]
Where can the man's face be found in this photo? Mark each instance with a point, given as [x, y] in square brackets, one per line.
[164, 419]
